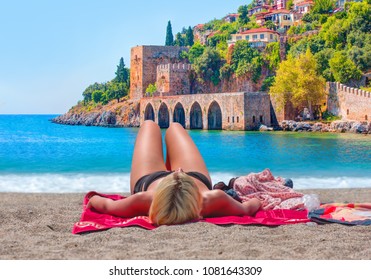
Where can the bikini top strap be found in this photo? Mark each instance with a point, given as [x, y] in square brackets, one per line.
[201, 177]
[153, 177]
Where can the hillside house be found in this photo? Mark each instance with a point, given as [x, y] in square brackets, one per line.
[257, 38]
[303, 7]
[231, 18]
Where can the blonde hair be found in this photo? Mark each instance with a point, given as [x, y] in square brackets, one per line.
[176, 200]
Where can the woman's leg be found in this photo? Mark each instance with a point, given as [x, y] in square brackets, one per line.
[148, 154]
[182, 151]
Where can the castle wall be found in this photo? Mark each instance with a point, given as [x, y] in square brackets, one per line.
[257, 110]
[349, 103]
[143, 65]
[173, 79]
[237, 109]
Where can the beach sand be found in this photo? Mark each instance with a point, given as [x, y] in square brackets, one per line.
[38, 226]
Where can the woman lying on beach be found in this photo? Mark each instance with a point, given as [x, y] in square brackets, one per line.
[174, 192]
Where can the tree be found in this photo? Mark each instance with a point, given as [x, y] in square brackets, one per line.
[243, 14]
[179, 40]
[207, 66]
[343, 68]
[323, 57]
[323, 6]
[97, 96]
[169, 35]
[272, 55]
[289, 4]
[189, 39]
[122, 73]
[298, 81]
[246, 60]
[88, 92]
[151, 89]
[195, 52]
[116, 90]
[270, 25]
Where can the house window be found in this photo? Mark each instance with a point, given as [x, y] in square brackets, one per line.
[347, 111]
[247, 37]
[228, 119]
[261, 118]
[233, 119]
[255, 37]
[238, 38]
[261, 36]
[238, 118]
[366, 118]
[253, 119]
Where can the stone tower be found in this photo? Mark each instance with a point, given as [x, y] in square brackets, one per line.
[173, 79]
[143, 65]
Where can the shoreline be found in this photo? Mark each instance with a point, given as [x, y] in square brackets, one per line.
[38, 226]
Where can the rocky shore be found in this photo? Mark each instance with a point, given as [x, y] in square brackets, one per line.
[115, 114]
[335, 126]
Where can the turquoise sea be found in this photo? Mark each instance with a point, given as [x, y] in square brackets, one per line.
[39, 156]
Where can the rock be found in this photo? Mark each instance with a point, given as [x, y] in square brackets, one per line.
[263, 128]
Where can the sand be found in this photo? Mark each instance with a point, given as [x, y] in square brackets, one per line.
[38, 226]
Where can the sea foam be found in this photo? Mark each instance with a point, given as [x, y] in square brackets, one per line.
[120, 183]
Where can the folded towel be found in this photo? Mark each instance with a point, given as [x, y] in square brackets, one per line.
[91, 220]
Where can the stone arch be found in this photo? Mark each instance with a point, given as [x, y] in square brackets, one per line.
[149, 113]
[196, 116]
[179, 115]
[163, 116]
[214, 117]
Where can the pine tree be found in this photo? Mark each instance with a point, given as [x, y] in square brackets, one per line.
[122, 74]
[189, 39]
[169, 35]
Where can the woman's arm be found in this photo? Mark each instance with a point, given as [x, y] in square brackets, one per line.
[217, 203]
[135, 205]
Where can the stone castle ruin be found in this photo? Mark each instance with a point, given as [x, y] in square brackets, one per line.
[176, 101]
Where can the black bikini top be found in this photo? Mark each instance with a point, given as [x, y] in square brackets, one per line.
[144, 182]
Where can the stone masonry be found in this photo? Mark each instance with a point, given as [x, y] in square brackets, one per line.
[227, 111]
[143, 66]
[173, 79]
[348, 103]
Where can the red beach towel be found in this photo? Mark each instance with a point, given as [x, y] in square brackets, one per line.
[93, 221]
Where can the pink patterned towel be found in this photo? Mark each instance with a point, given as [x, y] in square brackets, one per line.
[269, 190]
[93, 221]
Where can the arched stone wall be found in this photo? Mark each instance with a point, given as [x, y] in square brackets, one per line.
[227, 111]
[214, 117]
[163, 116]
[196, 116]
[179, 115]
[149, 113]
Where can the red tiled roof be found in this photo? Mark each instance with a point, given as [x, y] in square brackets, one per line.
[232, 15]
[258, 30]
[283, 11]
[305, 3]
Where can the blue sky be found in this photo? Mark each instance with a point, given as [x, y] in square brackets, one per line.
[50, 51]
